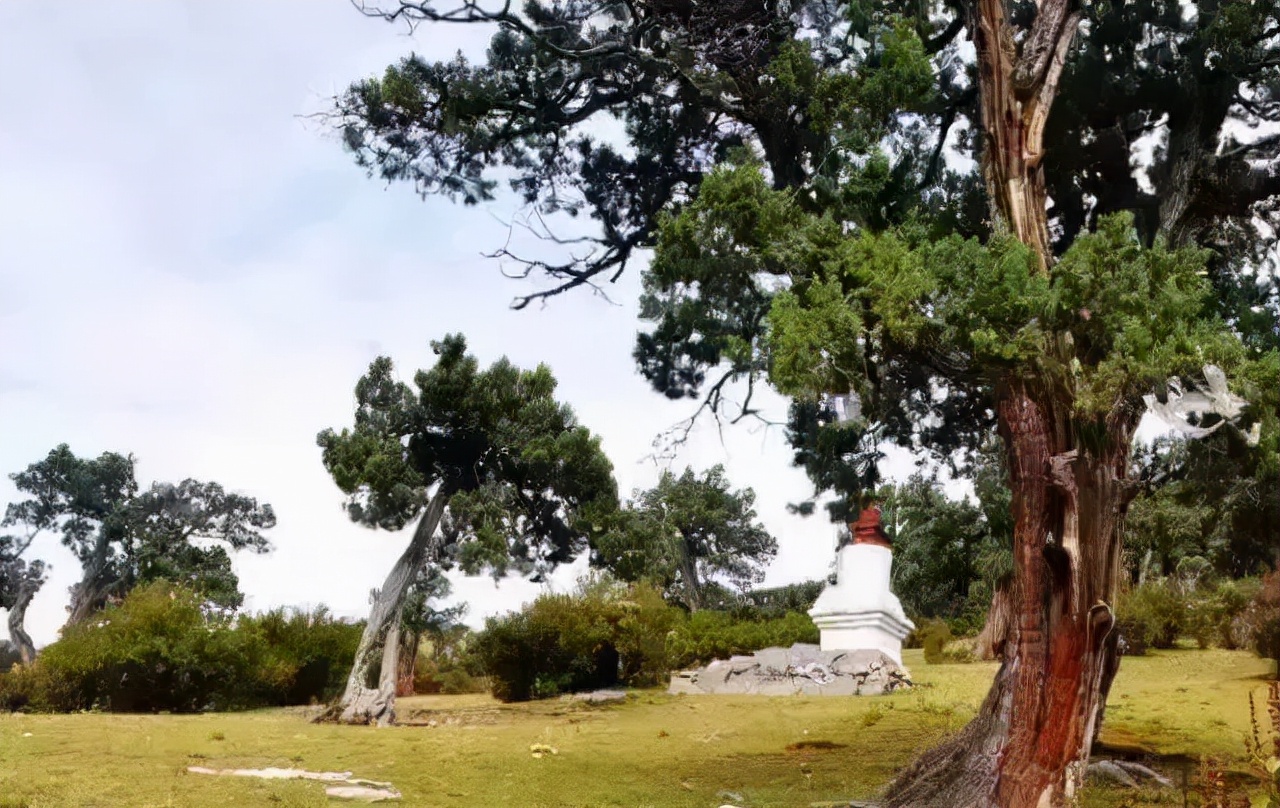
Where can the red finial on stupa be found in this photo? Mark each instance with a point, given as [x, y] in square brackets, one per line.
[867, 529]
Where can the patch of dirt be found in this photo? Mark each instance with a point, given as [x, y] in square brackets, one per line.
[811, 746]
[466, 717]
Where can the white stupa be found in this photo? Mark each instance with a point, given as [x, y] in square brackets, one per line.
[860, 612]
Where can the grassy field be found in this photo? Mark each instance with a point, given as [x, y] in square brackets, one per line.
[654, 750]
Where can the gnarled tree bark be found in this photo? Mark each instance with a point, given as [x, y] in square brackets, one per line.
[25, 589]
[1029, 743]
[370, 694]
[407, 666]
[91, 593]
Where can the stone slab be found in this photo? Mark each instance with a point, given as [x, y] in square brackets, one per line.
[801, 670]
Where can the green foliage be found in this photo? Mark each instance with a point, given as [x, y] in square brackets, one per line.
[1189, 604]
[123, 537]
[605, 635]
[775, 602]
[447, 662]
[526, 483]
[1155, 612]
[939, 549]
[159, 650]
[709, 635]
[164, 649]
[934, 636]
[684, 534]
[308, 654]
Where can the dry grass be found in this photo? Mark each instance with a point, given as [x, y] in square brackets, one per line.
[655, 750]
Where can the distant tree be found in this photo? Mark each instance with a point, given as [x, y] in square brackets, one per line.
[686, 533]
[498, 474]
[421, 618]
[20, 580]
[937, 543]
[123, 538]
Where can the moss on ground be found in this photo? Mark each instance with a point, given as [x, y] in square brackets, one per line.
[654, 750]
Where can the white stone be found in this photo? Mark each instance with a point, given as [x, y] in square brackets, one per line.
[860, 612]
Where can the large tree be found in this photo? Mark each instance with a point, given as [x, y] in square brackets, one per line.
[833, 251]
[685, 533]
[497, 473]
[123, 537]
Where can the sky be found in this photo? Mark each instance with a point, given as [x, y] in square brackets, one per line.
[193, 271]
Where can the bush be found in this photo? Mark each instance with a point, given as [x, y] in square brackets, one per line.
[308, 654]
[30, 688]
[158, 650]
[447, 663]
[564, 643]
[717, 635]
[934, 636]
[776, 602]
[1154, 614]
[163, 649]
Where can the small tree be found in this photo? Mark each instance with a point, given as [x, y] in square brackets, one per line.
[421, 617]
[684, 533]
[498, 474]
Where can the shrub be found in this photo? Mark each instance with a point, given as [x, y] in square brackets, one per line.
[447, 663]
[163, 649]
[564, 643]
[1233, 599]
[717, 635]
[934, 636]
[1154, 614]
[308, 654]
[30, 688]
[776, 602]
[158, 650]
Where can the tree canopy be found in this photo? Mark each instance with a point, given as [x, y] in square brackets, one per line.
[124, 537]
[522, 479]
[688, 532]
[499, 475]
[845, 199]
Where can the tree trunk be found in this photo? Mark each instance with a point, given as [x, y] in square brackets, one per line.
[90, 594]
[1030, 741]
[407, 669]
[370, 695]
[1000, 616]
[27, 589]
[689, 572]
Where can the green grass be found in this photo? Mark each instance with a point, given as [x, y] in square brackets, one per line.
[655, 750]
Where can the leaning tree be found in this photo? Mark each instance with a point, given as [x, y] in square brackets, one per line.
[124, 537]
[846, 198]
[20, 580]
[498, 474]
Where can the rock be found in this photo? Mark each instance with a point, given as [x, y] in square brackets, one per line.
[800, 670]
[346, 787]
[599, 696]
[731, 796]
[361, 793]
[1106, 771]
